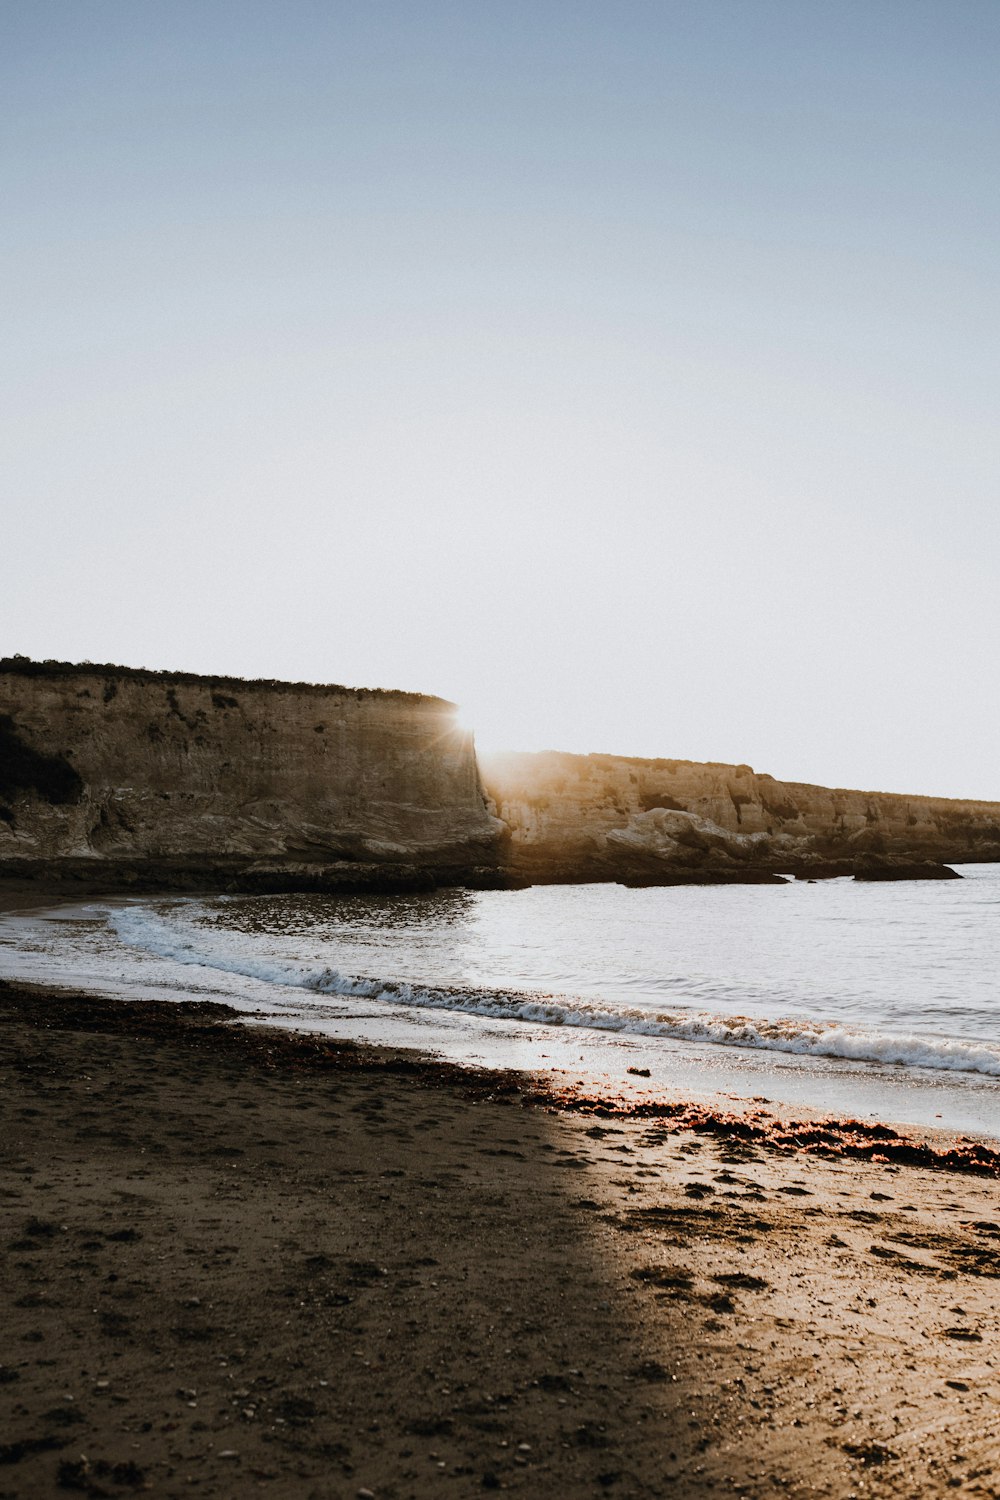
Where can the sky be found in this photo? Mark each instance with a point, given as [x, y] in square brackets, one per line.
[627, 373]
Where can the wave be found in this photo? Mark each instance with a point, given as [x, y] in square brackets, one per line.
[791, 1034]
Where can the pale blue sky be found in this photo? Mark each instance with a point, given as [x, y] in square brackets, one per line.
[627, 372]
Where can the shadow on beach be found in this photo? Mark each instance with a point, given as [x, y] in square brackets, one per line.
[238, 1261]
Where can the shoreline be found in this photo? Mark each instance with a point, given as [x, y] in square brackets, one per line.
[250, 1038]
[251, 1262]
[911, 1098]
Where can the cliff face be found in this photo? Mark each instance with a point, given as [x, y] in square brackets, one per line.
[120, 776]
[112, 765]
[613, 817]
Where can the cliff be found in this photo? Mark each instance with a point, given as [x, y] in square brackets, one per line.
[119, 777]
[120, 774]
[601, 817]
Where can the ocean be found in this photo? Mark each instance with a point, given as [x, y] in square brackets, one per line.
[880, 1000]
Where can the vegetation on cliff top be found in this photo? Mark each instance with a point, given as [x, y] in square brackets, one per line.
[25, 666]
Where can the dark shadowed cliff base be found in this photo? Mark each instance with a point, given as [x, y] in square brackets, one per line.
[61, 878]
[238, 1262]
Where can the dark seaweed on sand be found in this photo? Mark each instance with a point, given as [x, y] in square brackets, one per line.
[209, 1025]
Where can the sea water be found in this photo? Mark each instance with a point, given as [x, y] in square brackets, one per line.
[881, 998]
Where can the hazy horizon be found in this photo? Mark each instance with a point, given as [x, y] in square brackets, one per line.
[625, 375]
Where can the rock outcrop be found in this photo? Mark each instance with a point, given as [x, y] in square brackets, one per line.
[128, 776]
[606, 817]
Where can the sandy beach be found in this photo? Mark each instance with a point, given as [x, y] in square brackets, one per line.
[237, 1261]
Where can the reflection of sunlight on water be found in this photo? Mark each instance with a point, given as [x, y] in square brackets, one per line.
[886, 960]
[902, 958]
[740, 985]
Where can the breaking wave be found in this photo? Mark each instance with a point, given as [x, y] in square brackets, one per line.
[142, 930]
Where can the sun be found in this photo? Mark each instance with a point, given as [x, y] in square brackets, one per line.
[486, 726]
[462, 720]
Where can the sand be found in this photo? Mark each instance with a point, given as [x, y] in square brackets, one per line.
[236, 1264]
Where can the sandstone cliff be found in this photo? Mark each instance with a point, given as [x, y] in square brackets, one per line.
[613, 817]
[154, 773]
[118, 776]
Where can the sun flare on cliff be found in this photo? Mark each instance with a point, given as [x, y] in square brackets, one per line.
[498, 724]
[466, 723]
[463, 721]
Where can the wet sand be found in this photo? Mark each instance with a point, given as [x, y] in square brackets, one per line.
[239, 1262]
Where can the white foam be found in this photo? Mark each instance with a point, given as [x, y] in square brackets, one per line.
[141, 929]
